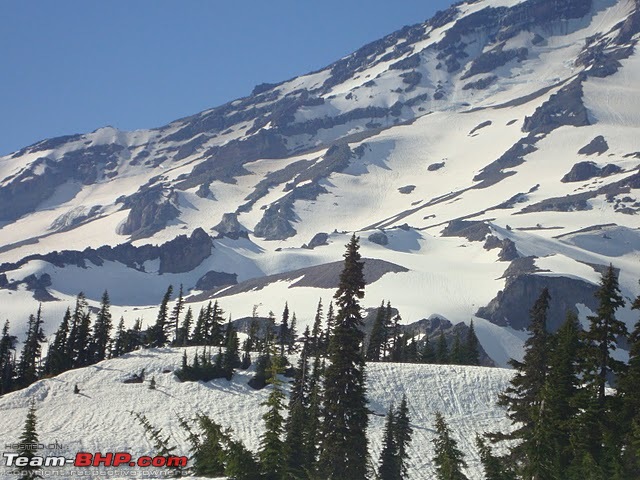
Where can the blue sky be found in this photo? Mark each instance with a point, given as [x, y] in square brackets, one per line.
[71, 66]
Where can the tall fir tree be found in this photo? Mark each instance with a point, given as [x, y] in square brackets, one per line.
[389, 468]
[283, 333]
[101, 330]
[231, 356]
[7, 351]
[456, 356]
[293, 335]
[442, 350]
[471, 347]
[272, 453]
[524, 397]
[402, 433]
[629, 391]
[119, 340]
[344, 450]
[555, 422]
[173, 322]
[598, 442]
[158, 333]
[329, 331]
[494, 467]
[29, 365]
[377, 336]
[28, 438]
[296, 447]
[58, 358]
[427, 353]
[449, 460]
[316, 331]
[78, 340]
[601, 338]
[183, 335]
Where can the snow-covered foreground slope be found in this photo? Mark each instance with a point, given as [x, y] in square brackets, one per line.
[99, 419]
[521, 116]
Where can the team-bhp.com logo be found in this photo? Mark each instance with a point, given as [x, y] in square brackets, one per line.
[84, 459]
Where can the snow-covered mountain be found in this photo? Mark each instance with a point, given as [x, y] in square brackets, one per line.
[99, 418]
[481, 155]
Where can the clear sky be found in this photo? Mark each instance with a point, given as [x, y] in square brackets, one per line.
[71, 66]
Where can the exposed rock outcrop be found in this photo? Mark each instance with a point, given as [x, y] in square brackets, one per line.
[230, 227]
[596, 146]
[511, 306]
[474, 231]
[150, 211]
[212, 280]
[183, 254]
[318, 240]
[379, 237]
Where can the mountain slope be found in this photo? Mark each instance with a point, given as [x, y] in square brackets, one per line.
[99, 419]
[521, 116]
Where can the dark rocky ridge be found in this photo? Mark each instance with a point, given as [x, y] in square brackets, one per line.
[582, 171]
[179, 255]
[319, 276]
[579, 201]
[150, 210]
[511, 306]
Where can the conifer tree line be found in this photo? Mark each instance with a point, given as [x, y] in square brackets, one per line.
[567, 422]
[387, 343]
[318, 431]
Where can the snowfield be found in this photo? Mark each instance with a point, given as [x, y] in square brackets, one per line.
[99, 418]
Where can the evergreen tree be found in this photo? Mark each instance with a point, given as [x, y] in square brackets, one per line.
[442, 351]
[316, 331]
[312, 429]
[83, 343]
[272, 452]
[471, 347]
[596, 418]
[173, 322]
[120, 340]
[29, 437]
[160, 441]
[58, 358]
[231, 356]
[199, 332]
[456, 357]
[402, 433]
[555, 422]
[78, 339]
[28, 366]
[495, 468]
[427, 353]
[344, 450]
[389, 460]
[158, 333]
[284, 329]
[378, 335]
[524, 397]
[299, 453]
[7, 367]
[214, 319]
[329, 331]
[601, 338]
[240, 462]
[629, 391]
[449, 459]
[293, 335]
[182, 337]
[101, 330]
